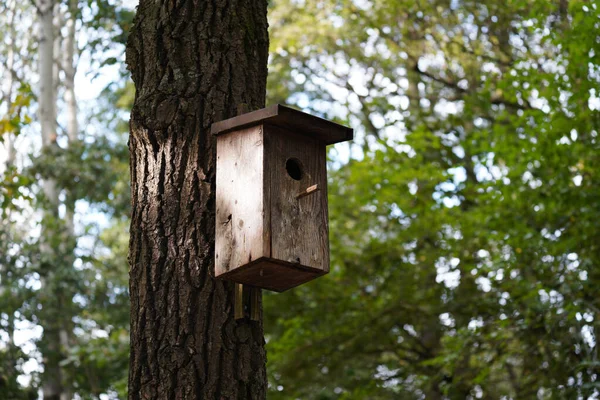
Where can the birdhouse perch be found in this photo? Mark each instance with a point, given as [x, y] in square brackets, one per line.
[271, 217]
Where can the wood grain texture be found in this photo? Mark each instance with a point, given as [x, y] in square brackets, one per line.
[292, 242]
[271, 274]
[272, 229]
[240, 226]
[193, 63]
[299, 226]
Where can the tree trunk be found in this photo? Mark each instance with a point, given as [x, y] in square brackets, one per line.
[69, 68]
[193, 63]
[50, 345]
[9, 143]
[47, 105]
[9, 147]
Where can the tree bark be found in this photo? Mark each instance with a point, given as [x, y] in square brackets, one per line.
[9, 147]
[50, 345]
[9, 140]
[47, 104]
[70, 69]
[193, 63]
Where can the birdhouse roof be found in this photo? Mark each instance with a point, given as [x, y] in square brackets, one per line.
[288, 118]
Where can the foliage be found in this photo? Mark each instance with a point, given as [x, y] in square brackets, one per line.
[463, 230]
[98, 178]
[16, 114]
[63, 269]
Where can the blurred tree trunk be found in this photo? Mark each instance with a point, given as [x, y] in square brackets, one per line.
[51, 343]
[47, 111]
[68, 66]
[9, 147]
[9, 81]
[193, 63]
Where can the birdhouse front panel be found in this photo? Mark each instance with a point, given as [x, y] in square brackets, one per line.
[297, 170]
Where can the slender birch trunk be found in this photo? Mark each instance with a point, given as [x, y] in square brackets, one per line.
[9, 145]
[57, 24]
[51, 345]
[47, 105]
[69, 68]
[10, 62]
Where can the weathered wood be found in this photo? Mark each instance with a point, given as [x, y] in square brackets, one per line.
[299, 226]
[309, 190]
[293, 120]
[272, 228]
[240, 200]
[271, 274]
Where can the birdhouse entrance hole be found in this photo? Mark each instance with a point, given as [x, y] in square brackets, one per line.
[294, 168]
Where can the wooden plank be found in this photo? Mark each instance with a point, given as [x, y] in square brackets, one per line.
[244, 120]
[240, 210]
[309, 190]
[266, 197]
[299, 226]
[271, 274]
[291, 119]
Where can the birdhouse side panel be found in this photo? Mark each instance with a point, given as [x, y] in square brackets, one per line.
[240, 196]
[298, 179]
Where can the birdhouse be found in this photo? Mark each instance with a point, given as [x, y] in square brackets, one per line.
[271, 210]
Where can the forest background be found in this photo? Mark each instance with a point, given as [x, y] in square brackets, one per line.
[464, 218]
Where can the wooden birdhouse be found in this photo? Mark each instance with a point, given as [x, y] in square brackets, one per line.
[271, 217]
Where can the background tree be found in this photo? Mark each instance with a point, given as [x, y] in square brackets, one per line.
[193, 63]
[463, 263]
[54, 260]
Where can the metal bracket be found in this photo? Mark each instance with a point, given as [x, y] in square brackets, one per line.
[239, 301]
[247, 300]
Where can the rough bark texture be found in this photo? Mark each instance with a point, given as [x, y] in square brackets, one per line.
[193, 63]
